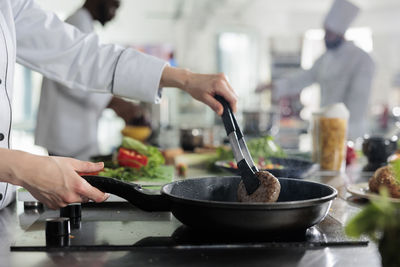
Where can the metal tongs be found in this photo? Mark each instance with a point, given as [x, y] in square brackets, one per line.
[241, 153]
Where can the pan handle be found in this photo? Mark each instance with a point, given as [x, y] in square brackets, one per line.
[134, 193]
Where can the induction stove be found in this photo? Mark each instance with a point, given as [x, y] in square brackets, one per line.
[121, 226]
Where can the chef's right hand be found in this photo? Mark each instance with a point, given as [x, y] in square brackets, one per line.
[202, 87]
[263, 87]
[54, 181]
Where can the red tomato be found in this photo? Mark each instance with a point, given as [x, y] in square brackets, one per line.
[131, 158]
[351, 155]
[232, 164]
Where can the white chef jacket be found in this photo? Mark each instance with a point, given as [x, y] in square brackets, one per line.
[67, 120]
[39, 40]
[345, 75]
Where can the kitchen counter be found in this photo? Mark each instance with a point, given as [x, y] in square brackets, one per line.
[14, 221]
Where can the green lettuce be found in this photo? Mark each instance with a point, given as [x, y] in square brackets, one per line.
[153, 169]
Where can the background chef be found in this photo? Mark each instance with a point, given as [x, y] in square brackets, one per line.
[39, 40]
[344, 72]
[67, 120]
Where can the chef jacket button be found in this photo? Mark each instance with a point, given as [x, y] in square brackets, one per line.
[1, 196]
[1, 81]
[1, 137]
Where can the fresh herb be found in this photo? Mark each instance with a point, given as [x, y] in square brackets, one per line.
[374, 218]
[379, 214]
[380, 220]
[265, 147]
[155, 157]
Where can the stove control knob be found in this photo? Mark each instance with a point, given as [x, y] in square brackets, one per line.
[72, 211]
[56, 227]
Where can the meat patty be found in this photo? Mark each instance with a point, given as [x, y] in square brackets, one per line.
[385, 177]
[268, 191]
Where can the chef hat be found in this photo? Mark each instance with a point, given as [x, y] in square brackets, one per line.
[340, 16]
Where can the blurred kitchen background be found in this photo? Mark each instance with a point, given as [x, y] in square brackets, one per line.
[252, 42]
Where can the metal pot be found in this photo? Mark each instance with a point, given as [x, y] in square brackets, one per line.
[257, 122]
[377, 149]
[191, 138]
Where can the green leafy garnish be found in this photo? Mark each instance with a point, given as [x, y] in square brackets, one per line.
[265, 147]
[154, 156]
[374, 218]
[380, 220]
[262, 147]
[154, 168]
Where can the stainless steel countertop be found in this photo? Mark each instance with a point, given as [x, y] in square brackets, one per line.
[13, 222]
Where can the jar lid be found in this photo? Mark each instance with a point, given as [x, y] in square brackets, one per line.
[337, 110]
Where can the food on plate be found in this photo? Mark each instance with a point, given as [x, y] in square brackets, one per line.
[268, 191]
[135, 160]
[380, 219]
[332, 142]
[259, 148]
[261, 164]
[182, 169]
[385, 177]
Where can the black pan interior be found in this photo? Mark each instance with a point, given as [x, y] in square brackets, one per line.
[225, 189]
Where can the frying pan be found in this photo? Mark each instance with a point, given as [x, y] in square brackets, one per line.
[211, 203]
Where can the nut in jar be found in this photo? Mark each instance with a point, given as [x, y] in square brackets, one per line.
[332, 141]
[332, 137]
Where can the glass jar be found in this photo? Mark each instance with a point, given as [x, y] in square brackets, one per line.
[332, 136]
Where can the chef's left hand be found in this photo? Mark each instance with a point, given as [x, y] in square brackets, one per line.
[202, 87]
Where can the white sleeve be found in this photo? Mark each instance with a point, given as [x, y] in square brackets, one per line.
[295, 82]
[7, 194]
[64, 54]
[358, 94]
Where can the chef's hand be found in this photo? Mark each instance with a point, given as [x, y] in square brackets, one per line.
[53, 180]
[128, 111]
[263, 87]
[202, 87]
[275, 97]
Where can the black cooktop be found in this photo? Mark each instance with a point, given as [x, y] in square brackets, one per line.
[120, 226]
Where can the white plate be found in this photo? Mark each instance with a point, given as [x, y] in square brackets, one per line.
[362, 190]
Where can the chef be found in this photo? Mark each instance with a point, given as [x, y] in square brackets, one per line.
[57, 126]
[344, 72]
[39, 40]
